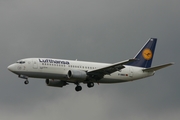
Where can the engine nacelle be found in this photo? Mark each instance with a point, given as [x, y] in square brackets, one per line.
[77, 75]
[55, 83]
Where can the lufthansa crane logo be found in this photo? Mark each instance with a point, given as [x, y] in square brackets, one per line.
[147, 54]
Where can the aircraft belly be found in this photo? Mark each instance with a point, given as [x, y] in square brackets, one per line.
[113, 79]
[106, 80]
[44, 75]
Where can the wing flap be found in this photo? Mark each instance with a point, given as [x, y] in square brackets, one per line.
[157, 67]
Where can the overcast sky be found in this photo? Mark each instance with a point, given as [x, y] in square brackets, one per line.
[92, 30]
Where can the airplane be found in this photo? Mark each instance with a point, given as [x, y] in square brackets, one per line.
[61, 72]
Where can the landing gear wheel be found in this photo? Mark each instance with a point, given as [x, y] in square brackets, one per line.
[90, 84]
[78, 88]
[26, 82]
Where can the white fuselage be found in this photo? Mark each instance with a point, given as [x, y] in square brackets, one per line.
[61, 72]
[48, 68]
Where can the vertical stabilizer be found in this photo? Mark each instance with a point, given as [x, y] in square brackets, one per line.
[145, 55]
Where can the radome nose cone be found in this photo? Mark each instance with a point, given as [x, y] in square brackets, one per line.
[10, 67]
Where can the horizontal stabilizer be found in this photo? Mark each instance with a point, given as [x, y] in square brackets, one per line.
[157, 67]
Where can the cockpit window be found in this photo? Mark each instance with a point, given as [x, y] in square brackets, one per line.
[20, 62]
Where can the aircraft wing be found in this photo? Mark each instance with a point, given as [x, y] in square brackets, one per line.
[157, 67]
[99, 73]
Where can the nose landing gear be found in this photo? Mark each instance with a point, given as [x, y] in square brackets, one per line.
[24, 77]
[26, 82]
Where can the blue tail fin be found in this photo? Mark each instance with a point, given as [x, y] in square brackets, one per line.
[145, 55]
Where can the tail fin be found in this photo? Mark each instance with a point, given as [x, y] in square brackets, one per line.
[145, 55]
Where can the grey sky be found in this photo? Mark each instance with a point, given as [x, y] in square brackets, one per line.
[96, 30]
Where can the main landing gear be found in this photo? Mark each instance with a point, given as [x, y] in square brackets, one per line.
[90, 84]
[79, 88]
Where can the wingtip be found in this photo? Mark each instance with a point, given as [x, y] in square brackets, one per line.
[133, 59]
[172, 63]
[152, 38]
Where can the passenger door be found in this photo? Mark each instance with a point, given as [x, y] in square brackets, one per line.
[35, 64]
[130, 72]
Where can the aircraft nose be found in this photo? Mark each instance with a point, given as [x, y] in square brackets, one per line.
[11, 67]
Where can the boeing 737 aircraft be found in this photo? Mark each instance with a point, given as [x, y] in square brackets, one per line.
[60, 72]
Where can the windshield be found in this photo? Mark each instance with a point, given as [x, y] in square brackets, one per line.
[21, 62]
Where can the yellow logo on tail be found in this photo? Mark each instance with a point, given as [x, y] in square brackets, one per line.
[147, 54]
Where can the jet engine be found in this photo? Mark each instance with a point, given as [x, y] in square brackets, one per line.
[77, 74]
[55, 83]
